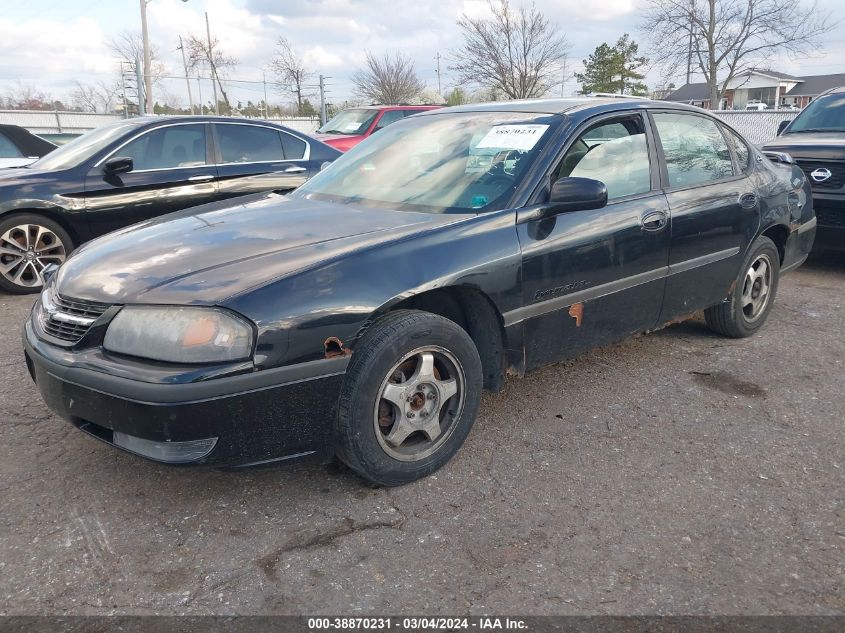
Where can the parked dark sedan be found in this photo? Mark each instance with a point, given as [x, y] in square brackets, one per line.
[134, 170]
[361, 315]
[815, 140]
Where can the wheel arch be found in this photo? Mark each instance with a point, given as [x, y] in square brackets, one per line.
[779, 234]
[474, 312]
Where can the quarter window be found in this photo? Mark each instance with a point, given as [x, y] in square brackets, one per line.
[614, 152]
[695, 150]
[249, 144]
[294, 147]
[167, 148]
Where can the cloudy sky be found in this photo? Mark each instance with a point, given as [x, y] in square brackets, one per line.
[50, 43]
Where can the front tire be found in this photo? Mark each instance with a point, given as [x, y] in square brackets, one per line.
[409, 397]
[749, 305]
[28, 244]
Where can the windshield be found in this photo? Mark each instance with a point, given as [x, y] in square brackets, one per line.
[83, 147]
[444, 163]
[825, 114]
[351, 122]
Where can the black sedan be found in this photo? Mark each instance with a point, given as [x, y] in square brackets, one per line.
[361, 315]
[135, 170]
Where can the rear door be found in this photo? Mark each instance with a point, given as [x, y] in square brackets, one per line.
[595, 276]
[171, 172]
[254, 158]
[714, 207]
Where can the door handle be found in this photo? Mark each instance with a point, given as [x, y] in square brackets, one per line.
[654, 220]
[294, 169]
[748, 200]
[201, 178]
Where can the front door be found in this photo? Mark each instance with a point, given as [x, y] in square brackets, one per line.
[596, 276]
[715, 212]
[257, 158]
[170, 172]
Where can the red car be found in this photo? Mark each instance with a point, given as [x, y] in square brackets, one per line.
[349, 127]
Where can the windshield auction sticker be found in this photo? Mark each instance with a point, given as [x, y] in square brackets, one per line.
[519, 137]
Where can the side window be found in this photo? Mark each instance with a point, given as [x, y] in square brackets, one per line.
[695, 150]
[8, 149]
[294, 147]
[249, 144]
[614, 152]
[391, 116]
[167, 148]
[743, 154]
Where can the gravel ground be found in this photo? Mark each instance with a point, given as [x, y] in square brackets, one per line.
[678, 472]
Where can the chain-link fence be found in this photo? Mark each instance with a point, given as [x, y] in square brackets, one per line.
[758, 126]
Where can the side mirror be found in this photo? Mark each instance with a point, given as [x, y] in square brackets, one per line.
[576, 194]
[782, 126]
[118, 165]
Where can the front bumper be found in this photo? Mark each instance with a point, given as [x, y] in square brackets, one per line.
[830, 212]
[271, 415]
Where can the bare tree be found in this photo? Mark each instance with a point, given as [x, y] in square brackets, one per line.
[517, 52]
[128, 46]
[722, 38]
[202, 54]
[389, 79]
[27, 97]
[290, 71]
[97, 97]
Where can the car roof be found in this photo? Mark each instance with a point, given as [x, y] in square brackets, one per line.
[567, 105]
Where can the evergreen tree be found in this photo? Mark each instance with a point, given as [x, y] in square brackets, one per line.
[614, 69]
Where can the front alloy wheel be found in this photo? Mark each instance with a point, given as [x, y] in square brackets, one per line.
[26, 248]
[419, 402]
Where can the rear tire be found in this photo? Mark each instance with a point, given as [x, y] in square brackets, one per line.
[748, 307]
[28, 243]
[409, 397]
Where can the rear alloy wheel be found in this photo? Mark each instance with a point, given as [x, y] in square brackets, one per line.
[28, 244]
[745, 311]
[409, 397]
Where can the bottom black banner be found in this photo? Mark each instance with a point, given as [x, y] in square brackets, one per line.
[525, 624]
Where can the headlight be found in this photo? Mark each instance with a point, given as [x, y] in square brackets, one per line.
[179, 334]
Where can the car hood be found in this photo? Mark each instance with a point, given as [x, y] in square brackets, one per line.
[213, 252]
[815, 145]
[22, 175]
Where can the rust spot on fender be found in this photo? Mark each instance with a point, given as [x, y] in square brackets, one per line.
[334, 348]
[732, 288]
[576, 311]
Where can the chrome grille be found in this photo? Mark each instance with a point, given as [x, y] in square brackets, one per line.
[837, 173]
[68, 319]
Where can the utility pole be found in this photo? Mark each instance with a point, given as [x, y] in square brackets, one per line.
[322, 100]
[439, 87]
[187, 79]
[123, 88]
[264, 78]
[211, 62]
[199, 96]
[139, 82]
[689, 48]
[147, 71]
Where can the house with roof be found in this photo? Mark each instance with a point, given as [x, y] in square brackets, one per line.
[773, 88]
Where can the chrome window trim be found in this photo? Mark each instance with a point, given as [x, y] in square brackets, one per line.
[305, 157]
